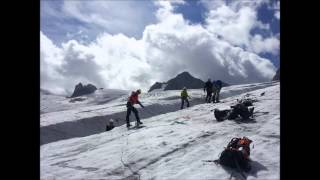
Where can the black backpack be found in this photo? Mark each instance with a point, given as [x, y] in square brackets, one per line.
[233, 158]
[247, 102]
[219, 84]
[241, 110]
[221, 115]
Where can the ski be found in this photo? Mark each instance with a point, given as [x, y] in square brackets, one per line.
[135, 127]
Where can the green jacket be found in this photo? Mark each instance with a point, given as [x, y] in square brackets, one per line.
[184, 93]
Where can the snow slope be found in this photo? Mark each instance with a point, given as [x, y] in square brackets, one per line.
[68, 120]
[174, 145]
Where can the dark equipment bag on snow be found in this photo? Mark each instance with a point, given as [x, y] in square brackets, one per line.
[247, 101]
[221, 114]
[234, 158]
[233, 113]
[240, 110]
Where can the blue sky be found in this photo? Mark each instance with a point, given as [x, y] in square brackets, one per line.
[194, 11]
[74, 27]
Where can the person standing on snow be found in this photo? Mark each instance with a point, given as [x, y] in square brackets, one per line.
[208, 87]
[184, 97]
[216, 93]
[133, 99]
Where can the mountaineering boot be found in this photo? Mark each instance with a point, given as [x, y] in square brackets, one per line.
[138, 123]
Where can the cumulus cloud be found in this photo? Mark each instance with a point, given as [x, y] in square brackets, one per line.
[201, 53]
[62, 68]
[232, 26]
[128, 17]
[110, 62]
[261, 45]
[62, 20]
[235, 5]
[50, 60]
[234, 23]
[167, 47]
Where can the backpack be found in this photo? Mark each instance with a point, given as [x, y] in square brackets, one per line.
[241, 110]
[247, 101]
[221, 115]
[219, 84]
[233, 157]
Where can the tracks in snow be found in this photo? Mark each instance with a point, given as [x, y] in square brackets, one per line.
[135, 168]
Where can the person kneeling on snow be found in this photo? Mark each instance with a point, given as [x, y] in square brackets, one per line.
[184, 97]
[110, 125]
[133, 99]
[236, 154]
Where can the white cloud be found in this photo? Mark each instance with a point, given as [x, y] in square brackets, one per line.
[261, 45]
[129, 17]
[232, 26]
[51, 59]
[212, 5]
[235, 5]
[234, 23]
[277, 14]
[262, 26]
[166, 48]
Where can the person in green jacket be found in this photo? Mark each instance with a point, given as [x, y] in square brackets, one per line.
[184, 97]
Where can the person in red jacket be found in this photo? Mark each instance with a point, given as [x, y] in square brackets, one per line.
[133, 99]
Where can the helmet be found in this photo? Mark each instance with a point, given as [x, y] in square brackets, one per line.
[184, 88]
[139, 91]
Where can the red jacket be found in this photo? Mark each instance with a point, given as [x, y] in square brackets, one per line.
[134, 98]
